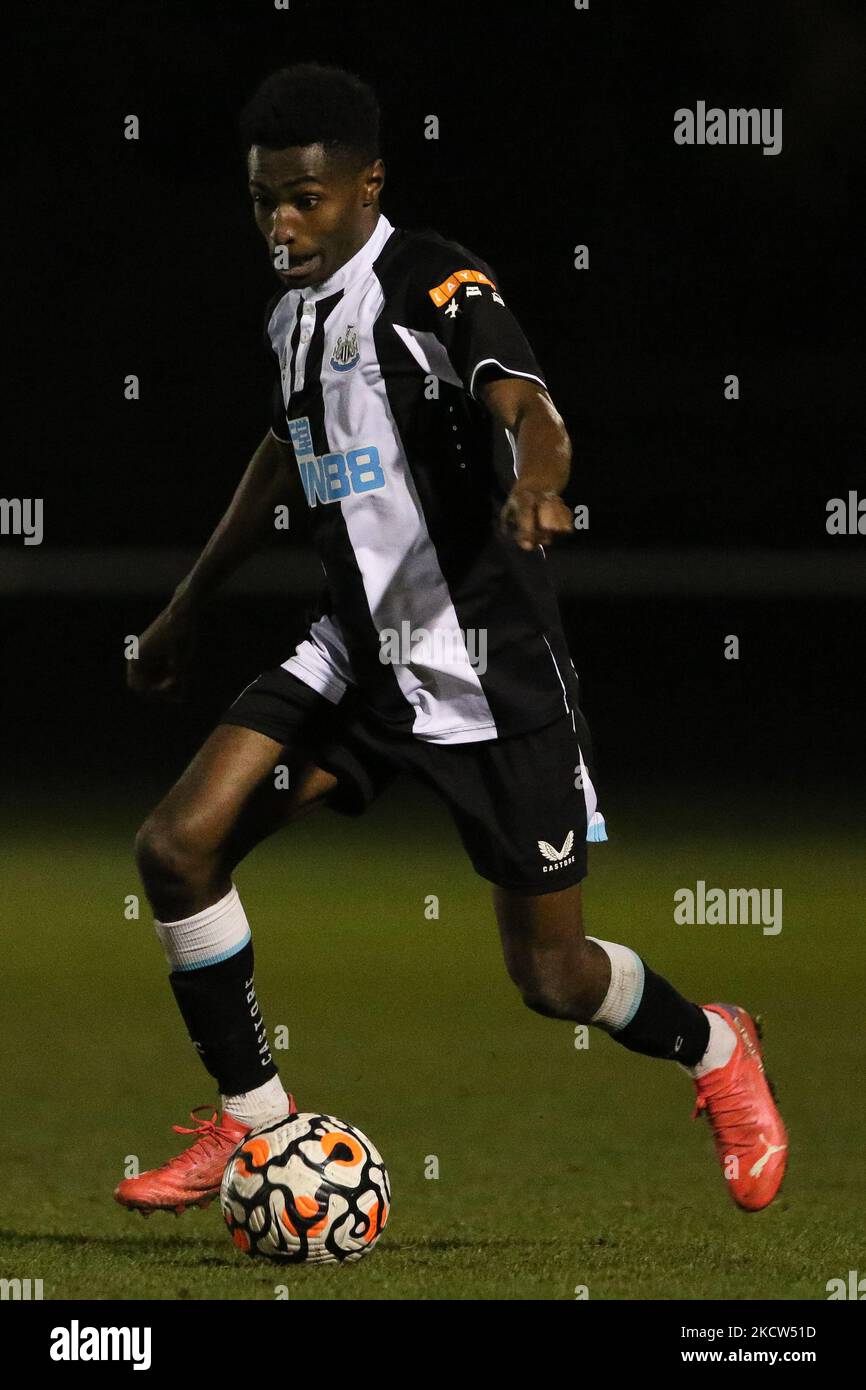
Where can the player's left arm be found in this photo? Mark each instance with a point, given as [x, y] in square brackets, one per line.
[488, 351]
[534, 512]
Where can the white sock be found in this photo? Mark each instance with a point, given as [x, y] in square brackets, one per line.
[720, 1048]
[267, 1102]
[625, 990]
[209, 936]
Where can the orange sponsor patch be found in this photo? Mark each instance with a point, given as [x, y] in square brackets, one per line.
[440, 294]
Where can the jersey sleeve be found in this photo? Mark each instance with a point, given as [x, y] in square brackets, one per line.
[480, 334]
[279, 425]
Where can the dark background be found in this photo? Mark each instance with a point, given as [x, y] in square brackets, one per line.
[556, 128]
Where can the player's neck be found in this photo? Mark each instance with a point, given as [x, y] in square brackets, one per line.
[365, 232]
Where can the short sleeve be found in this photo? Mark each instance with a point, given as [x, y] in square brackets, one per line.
[479, 332]
[279, 425]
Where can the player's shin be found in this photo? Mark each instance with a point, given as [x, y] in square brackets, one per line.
[646, 1014]
[211, 960]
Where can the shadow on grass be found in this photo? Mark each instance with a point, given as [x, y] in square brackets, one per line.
[120, 1245]
[193, 1246]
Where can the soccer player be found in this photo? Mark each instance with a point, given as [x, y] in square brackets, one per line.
[412, 420]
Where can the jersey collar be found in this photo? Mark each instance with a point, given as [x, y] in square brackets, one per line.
[356, 266]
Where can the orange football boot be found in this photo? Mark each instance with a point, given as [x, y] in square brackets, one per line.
[192, 1178]
[749, 1134]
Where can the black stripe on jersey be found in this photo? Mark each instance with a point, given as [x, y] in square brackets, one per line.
[345, 581]
[293, 343]
[508, 593]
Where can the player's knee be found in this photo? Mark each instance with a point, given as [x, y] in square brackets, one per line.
[170, 856]
[559, 989]
[549, 1000]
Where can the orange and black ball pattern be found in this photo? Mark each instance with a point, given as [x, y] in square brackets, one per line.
[307, 1189]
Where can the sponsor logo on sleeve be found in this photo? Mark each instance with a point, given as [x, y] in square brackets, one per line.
[440, 294]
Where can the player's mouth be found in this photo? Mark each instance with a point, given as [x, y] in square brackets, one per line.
[300, 267]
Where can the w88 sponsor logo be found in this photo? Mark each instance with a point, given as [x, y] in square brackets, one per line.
[334, 476]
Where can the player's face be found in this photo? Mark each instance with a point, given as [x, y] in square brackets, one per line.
[317, 207]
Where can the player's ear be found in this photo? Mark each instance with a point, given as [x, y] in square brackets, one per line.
[374, 181]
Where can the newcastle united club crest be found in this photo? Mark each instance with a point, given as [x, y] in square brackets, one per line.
[346, 352]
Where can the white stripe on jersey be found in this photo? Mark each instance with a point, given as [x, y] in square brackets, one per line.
[308, 320]
[429, 353]
[402, 581]
[322, 661]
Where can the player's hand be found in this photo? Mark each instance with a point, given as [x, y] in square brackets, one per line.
[535, 518]
[165, 651]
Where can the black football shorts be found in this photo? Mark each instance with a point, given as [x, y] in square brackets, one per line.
[524, 806]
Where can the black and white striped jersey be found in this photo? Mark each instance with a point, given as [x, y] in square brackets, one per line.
[445, 626]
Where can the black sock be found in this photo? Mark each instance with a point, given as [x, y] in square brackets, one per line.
[665, 1024]
[225, 1023]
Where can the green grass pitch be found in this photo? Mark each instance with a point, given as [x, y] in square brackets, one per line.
[558, 1167]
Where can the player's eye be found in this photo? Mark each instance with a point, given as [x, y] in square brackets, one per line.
[307, 201]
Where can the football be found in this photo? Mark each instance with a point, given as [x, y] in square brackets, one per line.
[306, 1189]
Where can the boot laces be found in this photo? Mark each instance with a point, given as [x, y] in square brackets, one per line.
[211, 1137]
[729, 1111]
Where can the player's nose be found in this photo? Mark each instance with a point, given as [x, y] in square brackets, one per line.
[283, 226]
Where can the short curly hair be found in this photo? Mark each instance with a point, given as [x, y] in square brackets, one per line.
[313, 104]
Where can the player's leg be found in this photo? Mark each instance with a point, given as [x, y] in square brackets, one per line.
[525, 807]
[544, 814]
[558, 972]
[224, 804]
[562, 973]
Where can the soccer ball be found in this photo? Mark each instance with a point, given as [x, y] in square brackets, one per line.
[306, 1189]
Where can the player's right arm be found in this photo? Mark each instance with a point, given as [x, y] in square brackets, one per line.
[166, 647]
